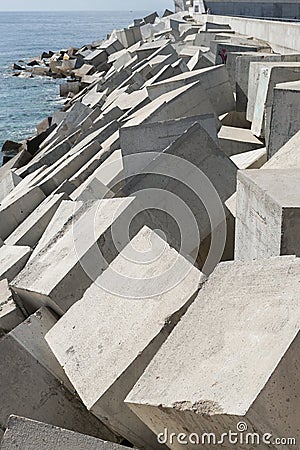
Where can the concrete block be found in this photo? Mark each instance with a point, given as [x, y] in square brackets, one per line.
[31, 229]
[208, 165]
[213, 80]
[155, 137]
[62, 216]
[27, 388]
[10, 315]
[95, 58]
[14, 210]
[74, 257]
[129, 36]
[268, 78]
[234, 140]
[254, 77]
[241, 362]
[253, 159]
[105, 179]
[33, 435]
[148, 316]
[285, 115]
[111, 46]
[8, 183]
[12, 260]
[268, 213]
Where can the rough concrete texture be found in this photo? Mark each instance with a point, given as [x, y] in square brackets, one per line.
[233, 140]
[10, 314]
[12, 260]
[75, 256]
[285, 115]
[30, 334]
[31, 229]
[147, 318]
[254, 159]
[242, 372]
[155, 137]
[8, 183]
[268, 213]
[13, 210]
[29, 389]
[31, 435]
[194, 147]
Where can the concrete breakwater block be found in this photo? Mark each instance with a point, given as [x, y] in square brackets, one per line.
[75, 256]
[15, 209]
[8, 183]
[254, 159]
[214, 81]
[268, 213]
[234, 140]
[155, 137]
[132, 307]
[31, 230]
[28, 388]
[189, 180]
[12, 260]
[32, 435]
[239, 366]
[285, 115]
[10, 314]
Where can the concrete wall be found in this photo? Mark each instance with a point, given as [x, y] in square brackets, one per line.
[266, 8]
[283, 36]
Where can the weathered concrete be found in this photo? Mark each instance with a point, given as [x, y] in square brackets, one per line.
[234, 140]
[147, 318]
[214, 80]
[26, 433]
[244, 353]
[74, 257]
[12, 260]
[30, 231]
[29, 389]
[195, 146]
[268, 213]
[285, 115]
[253, 159]
[10, 314]
[8, 183]
[269, 77]
[14, 210]
[155, 137]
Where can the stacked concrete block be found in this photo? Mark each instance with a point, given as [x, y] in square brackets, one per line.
[285, 115]
[75, 256]
[150, 310]
[32, 435]
[253, 159]
[268, 78]
[10, 314]
[198, 160]
[28, 388]
[12, 260]
[236, 370]
[268, 213]
[8, 183]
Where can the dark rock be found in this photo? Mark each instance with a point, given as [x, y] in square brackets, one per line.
[11, 147]
[17, 67]
[33, 62]
[34, 143]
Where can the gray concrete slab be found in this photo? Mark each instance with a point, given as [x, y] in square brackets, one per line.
[239, 366]
[268, 213]
[233, 140]
[8, 183]
[61, 272]
[10, 315]
[253, 159]
[32, 435]
[152, 285]
[12, 260]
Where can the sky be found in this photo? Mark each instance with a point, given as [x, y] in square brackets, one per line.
[104, 5]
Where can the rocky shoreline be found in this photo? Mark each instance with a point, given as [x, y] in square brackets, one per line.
[149, 245]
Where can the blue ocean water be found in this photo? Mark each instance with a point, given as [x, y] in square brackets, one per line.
[25, 102]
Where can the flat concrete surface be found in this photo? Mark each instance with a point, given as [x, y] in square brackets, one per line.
[12, 260]
[230, 357]
[10, 314]
[26, 434]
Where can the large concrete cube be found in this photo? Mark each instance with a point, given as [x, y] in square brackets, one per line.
[12, 260]
[268, 213]
[230, 364]
[61, 272]
[132, 308]
[32, 435]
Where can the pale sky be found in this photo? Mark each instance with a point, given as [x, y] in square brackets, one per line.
[92, 5]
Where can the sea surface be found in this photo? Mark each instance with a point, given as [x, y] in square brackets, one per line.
[24, 35]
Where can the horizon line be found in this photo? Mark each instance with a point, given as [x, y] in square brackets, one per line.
[75, 10]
